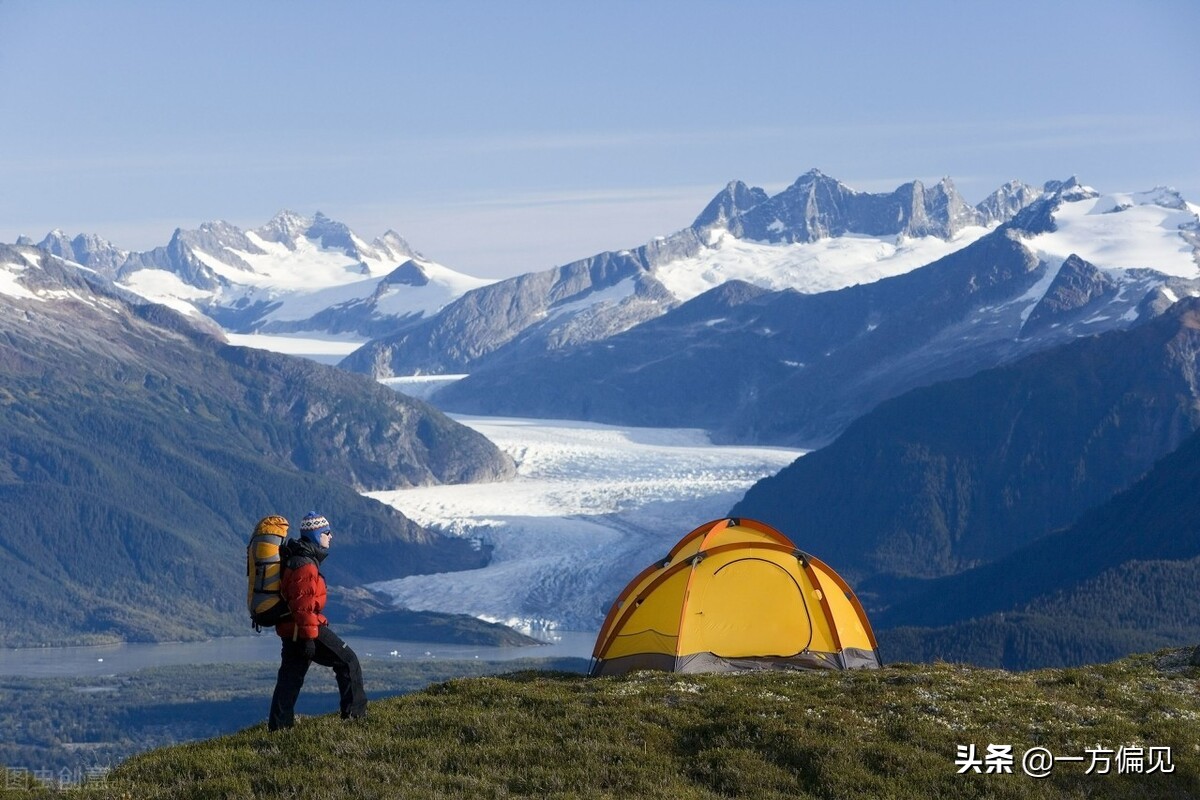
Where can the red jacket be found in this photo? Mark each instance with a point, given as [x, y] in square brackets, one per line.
[304, 591]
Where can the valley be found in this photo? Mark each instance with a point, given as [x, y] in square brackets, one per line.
[970, 379]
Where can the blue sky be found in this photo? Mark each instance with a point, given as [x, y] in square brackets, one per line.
[501, 138]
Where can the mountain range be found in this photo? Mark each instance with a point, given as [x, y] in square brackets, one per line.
[296, 273]
[979, 379]
[1037, 513]
[962, 472]
[786, 367]
[137, 449]
[313, 275]
[816, 235]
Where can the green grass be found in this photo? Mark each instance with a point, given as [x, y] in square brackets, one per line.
[78, 723]
[891, 733]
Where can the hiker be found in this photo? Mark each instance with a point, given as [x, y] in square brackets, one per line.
[305, 635]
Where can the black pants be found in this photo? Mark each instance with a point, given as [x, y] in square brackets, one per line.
[331, 652]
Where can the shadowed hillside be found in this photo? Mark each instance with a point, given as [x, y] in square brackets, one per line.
[137, 450]
[1121, 579]
[964, 472]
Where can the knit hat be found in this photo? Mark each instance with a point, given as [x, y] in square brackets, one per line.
[312, 526]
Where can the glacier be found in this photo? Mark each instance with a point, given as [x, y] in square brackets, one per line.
[592, 505]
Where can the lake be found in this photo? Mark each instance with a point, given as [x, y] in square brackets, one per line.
[47, 662]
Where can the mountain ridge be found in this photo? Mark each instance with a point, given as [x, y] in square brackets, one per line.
[817, 206]
[482, 324]
[1153, 520]
[137, 450]
[966, 471]
[294, 273]
[796, 368]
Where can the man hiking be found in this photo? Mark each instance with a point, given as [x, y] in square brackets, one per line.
[305, 634]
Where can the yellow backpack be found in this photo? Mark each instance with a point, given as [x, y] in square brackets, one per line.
[264, 572]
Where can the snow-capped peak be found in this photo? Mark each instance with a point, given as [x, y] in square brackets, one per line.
[31, 273]
[1070, 190]
[821, 235]
[294, 273]
[1002, 204]
[1120, 231]
[86, 249]
[817, 207]
[220, 228]
[395, 246]
[1164, 196]
[284, 227]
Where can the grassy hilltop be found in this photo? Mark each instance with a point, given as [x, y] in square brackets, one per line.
[891, 733]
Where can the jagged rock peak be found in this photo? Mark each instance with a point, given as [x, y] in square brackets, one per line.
[1078, 284]
[321, 224]
[58, 243]
[815, 175]
[732, 201]
[1052, 187]
[82, 242]
[1002, 204]
[88, 249]
[943, 202]
[395, 245]
[219, 227]
[218, 239]
[1070, 189]
[816, 184]
[333, 234]
[817, 206]
[286, 226]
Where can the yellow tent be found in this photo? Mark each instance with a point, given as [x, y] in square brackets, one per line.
[735, 594]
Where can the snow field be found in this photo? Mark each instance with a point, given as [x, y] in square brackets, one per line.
[1124, 231]
[810, 267]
